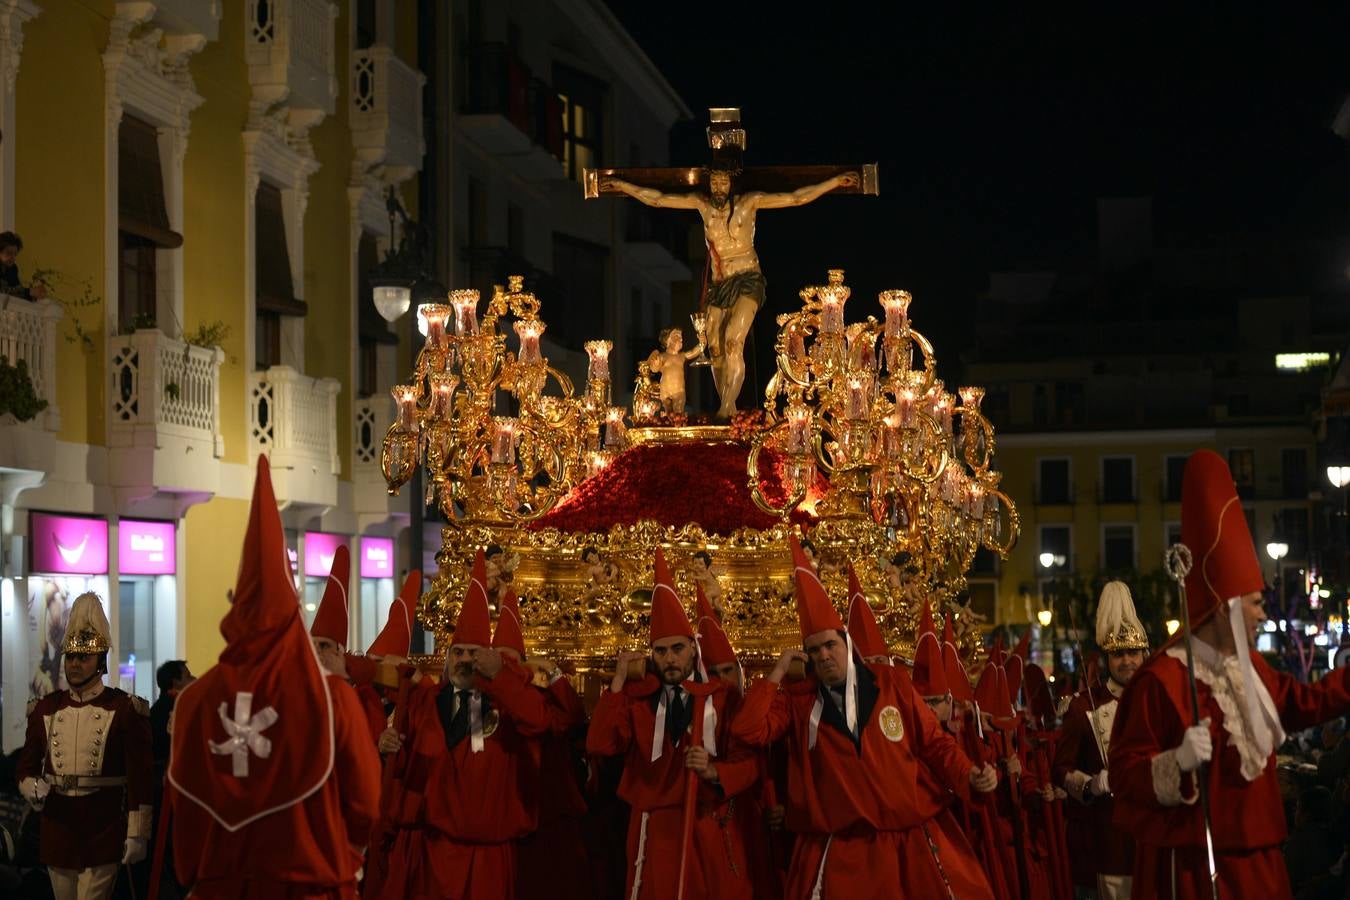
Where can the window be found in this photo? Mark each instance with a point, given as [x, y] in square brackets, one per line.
[1117, 547]
[581, 98]
[136, 283]
[984, 600]
[142, 222]
[1054, 486]
[1171, 533]
[996, 406]
[366, 23]
[985, 562]
[368, 383]
[1175, 470]
[1068, 402]
[1294, 529]
[580, 269]
[1242, 463]
[275, 290]
[1294, 472]
[1057, 541]
[1117, 479]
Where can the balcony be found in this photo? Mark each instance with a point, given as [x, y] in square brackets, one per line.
[510, 113]
[28, 335]
[293, 419]
[386, 112]
[289, 47]
[372, 416]
[164, 416]
[189, 17]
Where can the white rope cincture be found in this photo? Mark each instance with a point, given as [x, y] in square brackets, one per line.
[245, 733]
[641, 857]
[476, 722]
[819, 886]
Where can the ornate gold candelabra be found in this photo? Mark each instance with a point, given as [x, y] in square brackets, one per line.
[481, 465]
[881, 429]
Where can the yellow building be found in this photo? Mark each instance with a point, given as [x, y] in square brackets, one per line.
[195, 182]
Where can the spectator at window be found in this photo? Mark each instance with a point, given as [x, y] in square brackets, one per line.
[10, 245]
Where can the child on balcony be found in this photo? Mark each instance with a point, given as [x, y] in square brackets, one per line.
[10, 245]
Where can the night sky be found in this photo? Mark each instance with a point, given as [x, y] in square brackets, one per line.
[997, 131]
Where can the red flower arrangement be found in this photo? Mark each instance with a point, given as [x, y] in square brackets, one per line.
[676, 485]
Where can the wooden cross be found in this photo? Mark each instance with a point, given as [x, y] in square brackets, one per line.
[726, 138]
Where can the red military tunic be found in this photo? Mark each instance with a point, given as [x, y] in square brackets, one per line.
[623, 724]
[1096, 845]
[870, 822]
[552, 861]
[102, 733]
[1159, 804]
[457, 814]
[310, 849]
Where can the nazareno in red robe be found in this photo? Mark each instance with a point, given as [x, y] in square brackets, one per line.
[456, 814]
[623, 724]
[869, 823]
[310, 849]
[552, 861]
[1159, 805]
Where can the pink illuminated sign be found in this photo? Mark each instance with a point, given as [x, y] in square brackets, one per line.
[320, 549]
[377, 557]
[68, 545]
[146, 548]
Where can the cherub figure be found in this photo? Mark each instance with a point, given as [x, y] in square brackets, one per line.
[601, 572]
[706, 576]
[501, 567]
[669, 363]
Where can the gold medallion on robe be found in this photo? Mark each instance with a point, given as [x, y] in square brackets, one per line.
[892, 725]
[490, 721]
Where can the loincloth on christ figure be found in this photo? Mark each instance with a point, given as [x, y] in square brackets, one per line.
[724, 293]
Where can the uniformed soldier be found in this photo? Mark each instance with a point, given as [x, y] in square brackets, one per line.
[86, 766]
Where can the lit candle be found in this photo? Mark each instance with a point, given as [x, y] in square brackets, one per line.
[596, 462]
[529, 331]
[971, 397]
[904, 407]
[465, 302]
[599, 354]
[891, 442]
[831, 314]
[614, 427]
[435, 315]
[896, 305]
[405, 397]
[442, 393]
[799, 430]
[859, 387]
[504, 440]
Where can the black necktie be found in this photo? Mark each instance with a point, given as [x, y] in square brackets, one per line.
[456, 723]
[677, 716]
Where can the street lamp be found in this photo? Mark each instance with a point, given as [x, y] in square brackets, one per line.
[1339, 476]
[393, 279]
[1044, 616]
[1277, 548]
[1050, 560]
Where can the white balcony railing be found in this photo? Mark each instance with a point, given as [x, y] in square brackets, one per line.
[373, 416]
[386, 109]
[293, 419]
[189, 17]
[290, 46]
[163, 386]
[28, 334]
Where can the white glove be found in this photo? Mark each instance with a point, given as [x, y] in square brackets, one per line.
[1196, 747]
[1076, 783]
[135, 851]
[1099, 786]
[35, 791]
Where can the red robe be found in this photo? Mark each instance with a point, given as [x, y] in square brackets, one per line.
[1159, 805]
[456, 815]
[981, 821]
[623, 724]
[104, 736]
[869, 821]
[1096, 846]
[311, 849]
[552, 861]
[361, 671]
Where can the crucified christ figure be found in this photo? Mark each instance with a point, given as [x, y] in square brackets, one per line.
[736, 290]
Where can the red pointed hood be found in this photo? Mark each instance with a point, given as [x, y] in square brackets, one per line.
[510, 634]
[958, 682]
[668, 618]
[815, 612]
[1040, 695]
[1015, 666]
[269, 677]
[713, 641]
[930, 673]
[1214, 527]
[991, 691]
[862, 623]
[474, 625]
[331, 619]
[396, 637]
